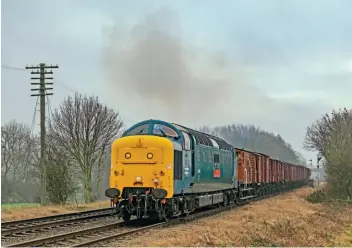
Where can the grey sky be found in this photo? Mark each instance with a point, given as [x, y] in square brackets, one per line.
[276, 64]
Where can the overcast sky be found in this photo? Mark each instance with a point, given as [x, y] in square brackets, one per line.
[276, 64]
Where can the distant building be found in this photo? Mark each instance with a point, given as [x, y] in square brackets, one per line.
[318, 173]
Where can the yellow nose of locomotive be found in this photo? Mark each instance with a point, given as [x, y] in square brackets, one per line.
[143, 162]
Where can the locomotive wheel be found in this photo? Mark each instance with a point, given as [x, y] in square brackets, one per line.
[126, 216]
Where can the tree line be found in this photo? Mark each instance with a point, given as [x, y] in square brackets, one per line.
[79, 135]
[254, 139]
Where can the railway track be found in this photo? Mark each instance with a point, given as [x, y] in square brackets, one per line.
[30, 226]
[104, 234]
[88, 237]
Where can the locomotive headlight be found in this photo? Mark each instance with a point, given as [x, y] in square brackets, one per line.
[138, 179]
[127, 155]
[150, 155]
[156, 180]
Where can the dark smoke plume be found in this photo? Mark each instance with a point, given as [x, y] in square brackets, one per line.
[154, 67]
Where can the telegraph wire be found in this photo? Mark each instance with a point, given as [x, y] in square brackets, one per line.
[56, 81]
[66, 86]
[34, 115]
[12, 68]
[32, 131]
[50, 110]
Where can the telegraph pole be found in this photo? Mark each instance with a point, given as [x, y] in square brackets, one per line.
[41, 70]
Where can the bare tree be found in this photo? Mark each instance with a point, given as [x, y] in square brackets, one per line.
[318, 134]
[17, 148]
[85, 128]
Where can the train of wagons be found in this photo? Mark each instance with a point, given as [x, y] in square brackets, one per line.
[162, 169]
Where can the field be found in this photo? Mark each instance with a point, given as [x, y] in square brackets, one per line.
[8, 206]
[286, 220]
[17, 211]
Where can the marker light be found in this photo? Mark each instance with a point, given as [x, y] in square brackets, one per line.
[127, 155]
[138, 179]
[150, 155]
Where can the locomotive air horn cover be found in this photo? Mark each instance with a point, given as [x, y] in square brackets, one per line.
[112, 193]
[159, 193]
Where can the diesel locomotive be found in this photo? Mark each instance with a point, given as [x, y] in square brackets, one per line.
[162, 169]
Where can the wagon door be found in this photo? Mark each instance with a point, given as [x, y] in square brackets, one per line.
[235, 168]
[240, 167]
[259, 167]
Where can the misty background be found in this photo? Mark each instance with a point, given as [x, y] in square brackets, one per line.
[277, 65]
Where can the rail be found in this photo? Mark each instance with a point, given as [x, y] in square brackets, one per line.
[38, 224]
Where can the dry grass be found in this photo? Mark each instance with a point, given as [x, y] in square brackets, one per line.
[8, 214]
[345, 238]
[286, 220]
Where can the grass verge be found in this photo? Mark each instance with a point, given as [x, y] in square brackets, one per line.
[11, 206]
[18, 211]
[285, 220]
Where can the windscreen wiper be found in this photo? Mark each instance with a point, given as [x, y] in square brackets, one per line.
[164, 134]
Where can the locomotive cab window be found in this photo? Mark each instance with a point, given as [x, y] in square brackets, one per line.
[164, 131]
[187, 141]
[142, 129]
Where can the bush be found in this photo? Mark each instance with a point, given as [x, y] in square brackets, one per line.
[323, 196]
[318, 196]
[332, 137]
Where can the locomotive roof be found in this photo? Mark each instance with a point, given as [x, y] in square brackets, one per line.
[204, 138]
[201, 138]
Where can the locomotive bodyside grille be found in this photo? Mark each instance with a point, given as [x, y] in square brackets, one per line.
[178, 165]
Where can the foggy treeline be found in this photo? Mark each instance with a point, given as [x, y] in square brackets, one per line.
[79, 135]
[254, 139]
